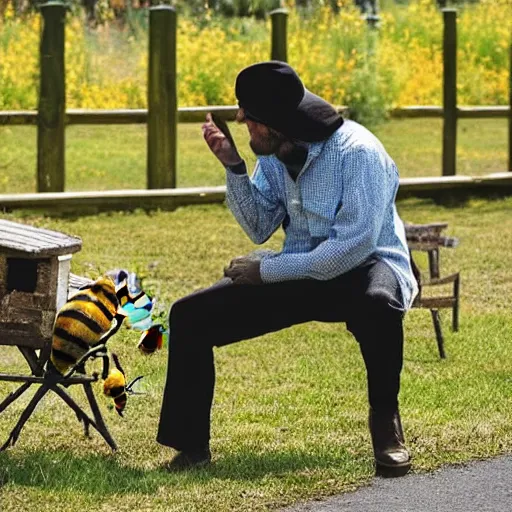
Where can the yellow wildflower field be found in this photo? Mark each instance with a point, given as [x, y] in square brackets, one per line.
[338, 56]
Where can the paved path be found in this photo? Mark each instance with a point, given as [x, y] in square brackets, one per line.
[484, 486]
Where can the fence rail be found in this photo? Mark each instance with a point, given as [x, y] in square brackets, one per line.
[228, 112]
[163, 115]
[57, 203]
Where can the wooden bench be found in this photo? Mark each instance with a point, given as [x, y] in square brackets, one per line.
[428, 238]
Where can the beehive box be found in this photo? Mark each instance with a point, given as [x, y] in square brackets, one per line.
[34, 273]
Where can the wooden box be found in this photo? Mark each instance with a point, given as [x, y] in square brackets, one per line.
[34, 273]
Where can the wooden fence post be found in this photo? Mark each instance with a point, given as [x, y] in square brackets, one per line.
[162, 98]
[450, 92]
[279, 50]
[510, 113]
[52, 100]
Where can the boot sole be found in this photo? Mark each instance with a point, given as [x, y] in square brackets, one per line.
[392, 471]
[178, 467]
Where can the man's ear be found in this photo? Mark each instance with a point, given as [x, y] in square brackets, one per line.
[240, 116]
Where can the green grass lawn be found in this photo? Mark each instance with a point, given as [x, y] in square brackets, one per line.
[289, 419]
[114, 157]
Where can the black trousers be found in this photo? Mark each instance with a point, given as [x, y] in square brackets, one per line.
[368, 299]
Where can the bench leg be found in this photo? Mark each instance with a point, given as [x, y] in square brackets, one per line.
[439, 333]
[101, 427]
[11, 397]
[97, 423]
[455, 310]
[11, 441]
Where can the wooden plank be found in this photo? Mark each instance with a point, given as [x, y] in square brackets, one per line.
[417, 111]
[438, 281]
[101, 117]
[436, 227]
[170, 199]
[457, 185]
[32, 238]
[125, 116]
[426, 244]
[228, 112]
[166, 199]
[486, 112]
[198, 114]
[435, 183]
[75, 282]
[495, 178]
[436, 302]
[37, 242]
[21, 117]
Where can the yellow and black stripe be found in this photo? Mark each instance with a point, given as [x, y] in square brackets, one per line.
[82, 321]
[122, 293]
[141, 300]
[115, 386]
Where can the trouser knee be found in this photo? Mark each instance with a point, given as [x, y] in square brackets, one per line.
[375, 312]
[381, 302]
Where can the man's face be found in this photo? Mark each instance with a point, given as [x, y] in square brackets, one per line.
[264, 140]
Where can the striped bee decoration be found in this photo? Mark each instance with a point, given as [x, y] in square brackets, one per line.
[82, 321]
[115, 386]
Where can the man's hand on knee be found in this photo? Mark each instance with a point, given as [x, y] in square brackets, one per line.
[244, 270]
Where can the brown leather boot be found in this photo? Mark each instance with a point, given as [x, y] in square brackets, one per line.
[391, 456]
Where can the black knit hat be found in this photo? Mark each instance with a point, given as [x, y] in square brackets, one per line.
[272, 93]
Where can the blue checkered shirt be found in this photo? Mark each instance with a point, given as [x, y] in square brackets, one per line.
[339, 212]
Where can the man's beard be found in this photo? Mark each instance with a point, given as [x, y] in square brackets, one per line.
[268, 145]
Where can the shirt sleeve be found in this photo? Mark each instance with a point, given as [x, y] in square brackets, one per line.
[353, 237]
[254, 204]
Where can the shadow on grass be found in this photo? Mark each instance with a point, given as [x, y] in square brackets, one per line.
[103, 475]
[59, 470]
[252, 466]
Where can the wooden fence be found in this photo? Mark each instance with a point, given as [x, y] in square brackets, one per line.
[163, 115]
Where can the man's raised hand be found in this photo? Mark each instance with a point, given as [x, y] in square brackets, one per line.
[219, 144]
